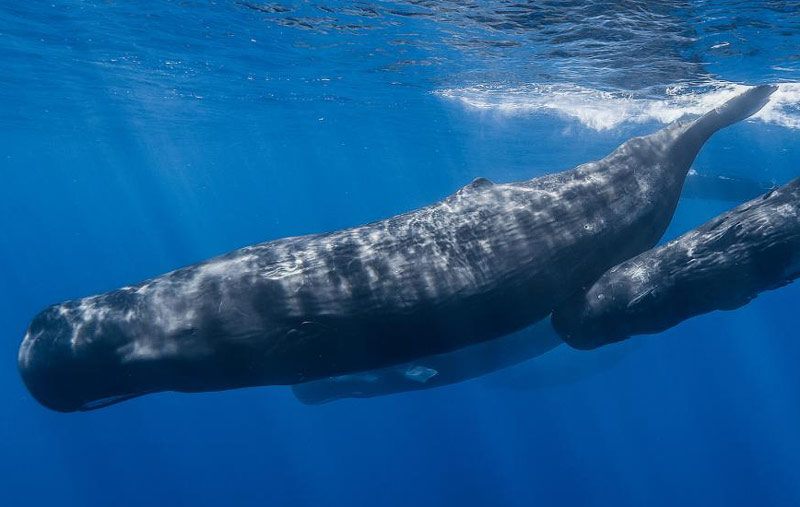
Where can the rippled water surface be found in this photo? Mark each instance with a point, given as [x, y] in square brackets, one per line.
[138, 137]
[204, 58]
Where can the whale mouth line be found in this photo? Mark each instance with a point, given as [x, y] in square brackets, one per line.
[111, 400]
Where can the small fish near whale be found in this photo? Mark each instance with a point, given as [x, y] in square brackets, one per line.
[482, 263]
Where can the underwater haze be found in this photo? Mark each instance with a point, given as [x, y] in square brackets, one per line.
[140, 137]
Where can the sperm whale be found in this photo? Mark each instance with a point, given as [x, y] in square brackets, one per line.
[721, 265]
[482, 263]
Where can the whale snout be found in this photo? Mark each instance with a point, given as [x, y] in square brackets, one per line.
[590, 320]
[46, 360]
[61, 374]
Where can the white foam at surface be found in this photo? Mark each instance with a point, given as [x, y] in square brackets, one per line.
[784, 107]
[602, 110]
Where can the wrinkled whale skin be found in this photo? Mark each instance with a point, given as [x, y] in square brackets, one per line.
[485, 261]
[721, 265]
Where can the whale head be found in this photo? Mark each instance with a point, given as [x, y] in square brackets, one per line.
[67, 374]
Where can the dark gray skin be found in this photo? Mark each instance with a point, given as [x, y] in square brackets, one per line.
[721, 265]
[508, 351]
[482, 263]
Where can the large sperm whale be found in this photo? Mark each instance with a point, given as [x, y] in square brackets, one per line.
[720, 265]
[484, 262]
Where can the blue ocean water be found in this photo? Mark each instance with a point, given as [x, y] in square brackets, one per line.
[138, 137]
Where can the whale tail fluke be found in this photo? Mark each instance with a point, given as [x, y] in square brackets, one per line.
[688, 137]
[734, 110]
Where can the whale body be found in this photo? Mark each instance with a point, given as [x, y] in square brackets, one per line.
[534, 344]
[721, 265]
[484, 262]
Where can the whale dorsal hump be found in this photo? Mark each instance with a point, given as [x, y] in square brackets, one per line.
[476, 184]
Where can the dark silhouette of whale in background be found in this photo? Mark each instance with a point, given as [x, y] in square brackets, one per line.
[700, 185]
[554, 363]
[721, 265]
[561, 366]
[435, 371]
[548, 361]
[482, 263]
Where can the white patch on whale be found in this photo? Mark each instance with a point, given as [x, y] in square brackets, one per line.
[420, 374]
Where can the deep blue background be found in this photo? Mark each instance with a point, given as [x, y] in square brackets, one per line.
[140, 138]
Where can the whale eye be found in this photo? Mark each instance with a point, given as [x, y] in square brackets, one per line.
[188, 331]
